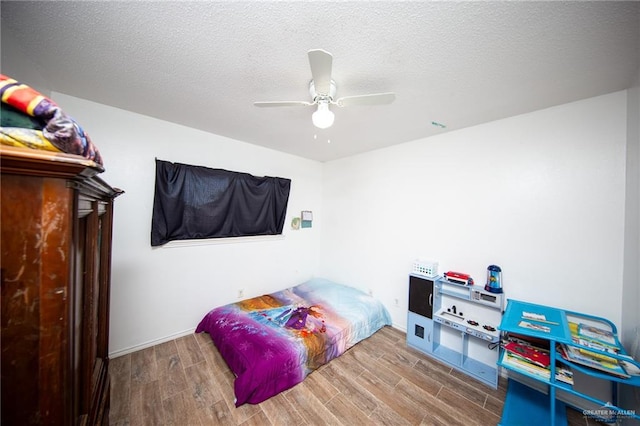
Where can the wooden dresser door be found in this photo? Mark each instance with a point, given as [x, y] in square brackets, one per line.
[36, 232]
[93, 257]
[55, 225]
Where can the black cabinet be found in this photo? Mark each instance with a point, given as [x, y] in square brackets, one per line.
[419, 318]
[421, 296]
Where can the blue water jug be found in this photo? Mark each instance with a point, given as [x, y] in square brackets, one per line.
[494, 279]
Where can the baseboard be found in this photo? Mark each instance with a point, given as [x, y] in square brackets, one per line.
[150, 343]
[399, 327]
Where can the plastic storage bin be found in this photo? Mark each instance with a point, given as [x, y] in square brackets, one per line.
[426, 268]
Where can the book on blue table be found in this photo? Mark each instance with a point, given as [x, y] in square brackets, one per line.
[593, 360]
[594, 344]
[596, 333]
[563, 374]
[535, 327]
[530, 353]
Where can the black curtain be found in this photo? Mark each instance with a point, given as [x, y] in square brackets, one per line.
[193, 202]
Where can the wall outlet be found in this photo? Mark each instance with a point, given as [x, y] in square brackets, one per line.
[396, 302]
[240, 293]
[370, 292]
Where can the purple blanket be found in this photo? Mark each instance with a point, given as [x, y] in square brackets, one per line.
[273, 342]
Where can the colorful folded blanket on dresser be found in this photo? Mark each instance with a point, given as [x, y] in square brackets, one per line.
[32, 120]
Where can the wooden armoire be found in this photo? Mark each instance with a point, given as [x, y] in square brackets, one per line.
[56, 223]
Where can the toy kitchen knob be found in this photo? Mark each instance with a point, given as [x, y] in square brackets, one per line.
[494, 279]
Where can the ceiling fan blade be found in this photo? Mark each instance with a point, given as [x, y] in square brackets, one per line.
[282, 103]
[372, 99]
[321, 62]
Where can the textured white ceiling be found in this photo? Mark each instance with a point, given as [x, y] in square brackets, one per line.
[203, 64]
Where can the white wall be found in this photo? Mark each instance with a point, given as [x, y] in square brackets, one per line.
[631, 277]
[160, 293]
[630, 329]
[541, 195]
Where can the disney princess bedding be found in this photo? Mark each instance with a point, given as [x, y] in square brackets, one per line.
[272, 342]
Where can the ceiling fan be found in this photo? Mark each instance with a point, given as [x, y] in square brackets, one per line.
[323, 90]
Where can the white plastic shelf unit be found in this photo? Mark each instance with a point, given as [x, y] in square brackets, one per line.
[455, 319]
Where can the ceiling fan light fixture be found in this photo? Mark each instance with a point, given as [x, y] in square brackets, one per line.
[322, 89]
[323, 117]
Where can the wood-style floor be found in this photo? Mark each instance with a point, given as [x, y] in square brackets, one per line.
[378, 381]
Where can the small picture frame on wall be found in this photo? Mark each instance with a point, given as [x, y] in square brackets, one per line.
[307, 218]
